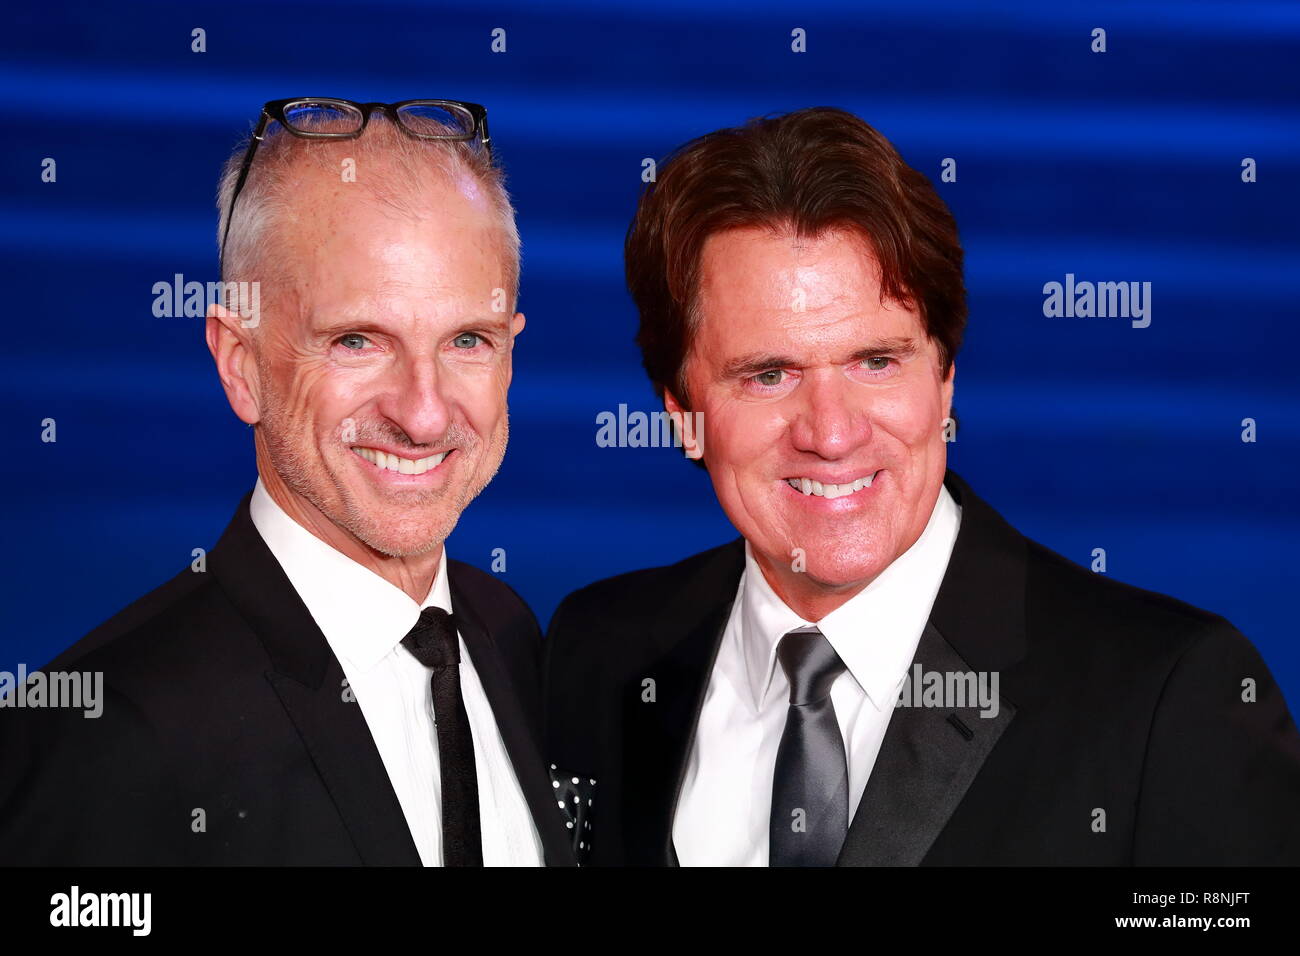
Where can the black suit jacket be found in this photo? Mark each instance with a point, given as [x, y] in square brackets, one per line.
[223, 696]
[1113, 699]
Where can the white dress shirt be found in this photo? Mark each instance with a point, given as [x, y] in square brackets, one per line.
[364, 619]
[723, 813]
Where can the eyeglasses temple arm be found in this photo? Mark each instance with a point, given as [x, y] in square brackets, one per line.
[239, 184]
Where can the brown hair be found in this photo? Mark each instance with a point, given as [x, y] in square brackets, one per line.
[807, 171]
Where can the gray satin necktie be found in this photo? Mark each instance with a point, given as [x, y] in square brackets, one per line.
[810, 789]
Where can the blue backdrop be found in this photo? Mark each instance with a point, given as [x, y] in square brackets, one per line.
[1086, 433]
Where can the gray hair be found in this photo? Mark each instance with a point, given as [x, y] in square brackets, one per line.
[407, 163]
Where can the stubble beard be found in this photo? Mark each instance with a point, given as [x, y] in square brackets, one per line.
[306, 474]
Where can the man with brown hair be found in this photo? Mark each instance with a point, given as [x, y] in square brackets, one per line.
[881, 670]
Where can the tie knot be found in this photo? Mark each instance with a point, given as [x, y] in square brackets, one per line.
[810, 663]
[433, 640]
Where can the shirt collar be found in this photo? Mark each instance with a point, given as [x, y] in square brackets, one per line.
[362, 616]
[875, 632]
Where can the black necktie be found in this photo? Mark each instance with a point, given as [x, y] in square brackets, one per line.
[434, 643]
[810, 790]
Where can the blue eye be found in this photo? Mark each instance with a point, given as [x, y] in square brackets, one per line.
[467, 340]
[353, 341]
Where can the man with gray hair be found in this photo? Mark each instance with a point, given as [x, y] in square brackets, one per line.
[330, 688]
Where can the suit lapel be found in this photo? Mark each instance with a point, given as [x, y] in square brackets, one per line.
[927, 760]
[930, 755]
[339, 741]
[519, 730]
[661, 730]
[308, 679]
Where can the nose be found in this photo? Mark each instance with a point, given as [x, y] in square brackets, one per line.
[415, 399]
[830, 419]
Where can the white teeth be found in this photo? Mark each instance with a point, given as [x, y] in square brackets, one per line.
[810, 487]
[404, 466]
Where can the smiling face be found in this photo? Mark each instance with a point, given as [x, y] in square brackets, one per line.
[382, 371]
[822, 409]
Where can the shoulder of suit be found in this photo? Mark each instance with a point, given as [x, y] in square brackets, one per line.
[1091, 611]
[155, 616]
[489, 594]
[1060, 590]
[631, 594]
